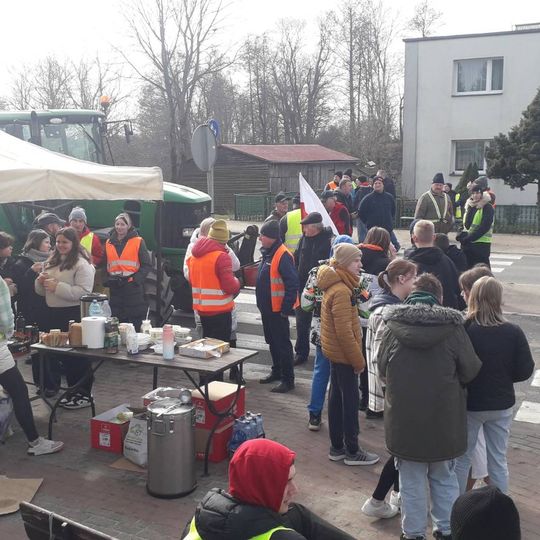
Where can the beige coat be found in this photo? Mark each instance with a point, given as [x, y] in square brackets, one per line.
[72, 284]
[341, 333]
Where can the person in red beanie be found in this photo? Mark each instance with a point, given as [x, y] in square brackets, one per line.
[258, 501]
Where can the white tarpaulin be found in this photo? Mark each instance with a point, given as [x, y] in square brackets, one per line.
[31, 173]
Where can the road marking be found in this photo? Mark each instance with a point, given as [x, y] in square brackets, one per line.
[528, 412]
[503, 263]
[246, 298]
[504, 256]
[536, 378]
[497, 270]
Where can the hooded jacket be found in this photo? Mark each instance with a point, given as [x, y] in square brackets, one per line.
[341, 333]
[229, 284]
[425, 358]
[434, 261]
[311, 250]
[258, 475]
[374, 259]
[488, 215]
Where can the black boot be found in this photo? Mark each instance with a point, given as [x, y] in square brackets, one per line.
[270, 378]
[283, 387]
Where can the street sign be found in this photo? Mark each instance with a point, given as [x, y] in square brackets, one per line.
[214, 126]
[204, 148]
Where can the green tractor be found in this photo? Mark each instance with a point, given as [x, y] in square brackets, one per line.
[80, 133]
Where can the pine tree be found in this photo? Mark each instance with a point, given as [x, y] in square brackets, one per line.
[516, 157]
[469, 174]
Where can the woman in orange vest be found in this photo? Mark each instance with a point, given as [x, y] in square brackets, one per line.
[128, 263]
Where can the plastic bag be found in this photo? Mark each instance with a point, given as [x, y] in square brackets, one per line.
[6, 413]
[136, 441]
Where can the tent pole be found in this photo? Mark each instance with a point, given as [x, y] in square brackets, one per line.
[159, 272]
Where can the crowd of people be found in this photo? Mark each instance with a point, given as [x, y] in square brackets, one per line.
[59, 263]
[418, 341]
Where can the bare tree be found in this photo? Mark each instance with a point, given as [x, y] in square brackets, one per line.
[175, 36]
[51, 80]
[426, 19]
[21, 89]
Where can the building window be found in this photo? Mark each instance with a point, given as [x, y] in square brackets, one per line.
[466, 152]
[479, 76]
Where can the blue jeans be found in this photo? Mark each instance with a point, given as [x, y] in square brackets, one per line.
[319, 383]
[394, 240]
[414, 478]
[497, 432]
[361, 229]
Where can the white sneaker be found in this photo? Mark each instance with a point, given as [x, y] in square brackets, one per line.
[44, 446]
[395, 499]
[379, 509]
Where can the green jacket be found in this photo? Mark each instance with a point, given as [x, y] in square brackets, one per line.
[426, 358]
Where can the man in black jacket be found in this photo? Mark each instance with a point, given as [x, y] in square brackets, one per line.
[432, 260]
[378, 209]
[314, 246]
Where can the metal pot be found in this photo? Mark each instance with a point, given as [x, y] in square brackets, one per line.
[171, 447]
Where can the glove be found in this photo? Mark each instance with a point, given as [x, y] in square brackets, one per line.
[461, 236]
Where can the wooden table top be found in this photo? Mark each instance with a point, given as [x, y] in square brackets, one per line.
[149, 358]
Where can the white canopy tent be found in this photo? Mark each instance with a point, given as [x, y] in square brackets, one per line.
[31, 173]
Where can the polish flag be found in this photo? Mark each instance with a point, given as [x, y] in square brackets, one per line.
[309, 202]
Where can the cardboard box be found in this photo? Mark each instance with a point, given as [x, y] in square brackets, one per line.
[218, 446]
[107, 434]
[213, 348]
[221, 395]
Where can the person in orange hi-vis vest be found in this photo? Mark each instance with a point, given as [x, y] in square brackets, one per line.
[213, 283]
[128, 264]
[277, 296]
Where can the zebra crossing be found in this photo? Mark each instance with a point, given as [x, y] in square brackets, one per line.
[501, 261]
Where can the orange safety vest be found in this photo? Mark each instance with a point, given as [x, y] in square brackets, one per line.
[332, 185]
[277, 287]
[208, 298]
[128, 262]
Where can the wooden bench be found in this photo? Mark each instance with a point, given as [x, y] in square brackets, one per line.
[40, 524]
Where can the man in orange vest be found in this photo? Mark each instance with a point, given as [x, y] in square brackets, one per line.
[277, 296]
[213, 283]
[334, 183]
[89, 240]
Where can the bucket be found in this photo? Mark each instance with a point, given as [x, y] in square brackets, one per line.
[250, 272]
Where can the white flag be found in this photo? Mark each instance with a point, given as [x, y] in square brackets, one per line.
[309, 202]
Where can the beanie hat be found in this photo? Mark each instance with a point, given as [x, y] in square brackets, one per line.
[270, 229]
[345, 254]
[485, 513]
[125, 217]
[348, 173]
[77, 213]
[340, 239]
[219, 232]
[438, 178]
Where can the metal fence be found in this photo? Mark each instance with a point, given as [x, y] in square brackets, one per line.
[509, 219]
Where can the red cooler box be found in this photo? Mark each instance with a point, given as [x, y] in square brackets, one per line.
[107, 433]
[218, 446]
[221, 395]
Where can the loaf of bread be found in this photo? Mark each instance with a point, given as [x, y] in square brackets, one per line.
[75, 335]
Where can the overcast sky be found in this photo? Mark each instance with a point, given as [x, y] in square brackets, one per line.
[31, 29]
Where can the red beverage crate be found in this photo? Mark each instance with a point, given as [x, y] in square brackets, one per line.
[221, 395]
[106, 434]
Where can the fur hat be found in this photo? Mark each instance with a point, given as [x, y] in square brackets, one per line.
[219, 232]
[270, 229]
[77, 213]
[345, 254]
[485, 513]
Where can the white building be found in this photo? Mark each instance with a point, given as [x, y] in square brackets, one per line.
[461, 91]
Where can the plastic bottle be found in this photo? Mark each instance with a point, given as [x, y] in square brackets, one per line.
[132, 344]
[106, 309]
[168, 342]
[95, 309]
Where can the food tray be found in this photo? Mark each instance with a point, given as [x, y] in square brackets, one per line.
[214, 348]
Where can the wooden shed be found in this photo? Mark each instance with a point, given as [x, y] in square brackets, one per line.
[263, 168]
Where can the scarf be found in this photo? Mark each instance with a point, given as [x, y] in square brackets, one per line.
[422, 297]
[35, 255]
